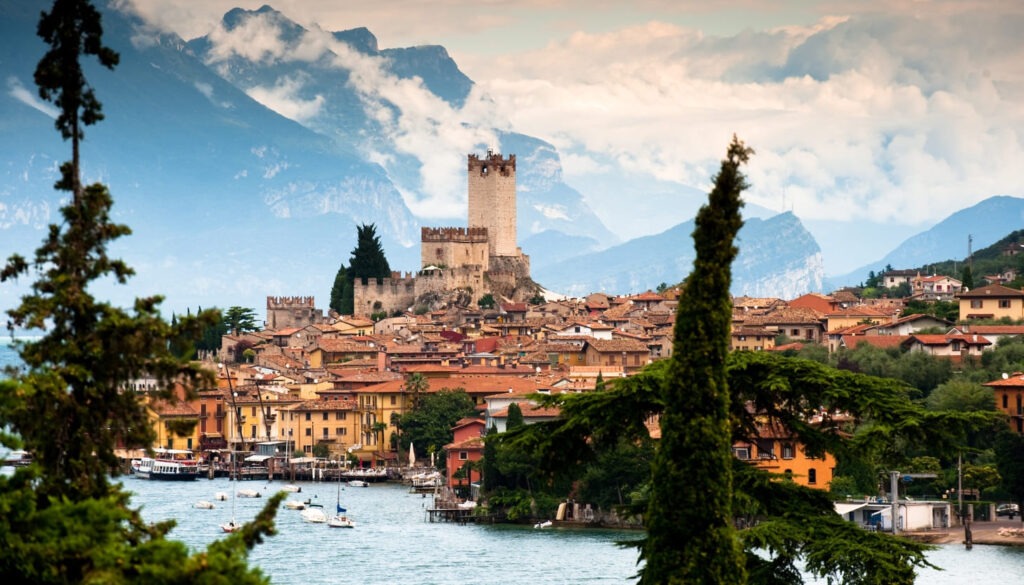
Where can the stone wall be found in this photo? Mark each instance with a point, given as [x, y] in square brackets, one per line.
[286, 312]
[452, 247]
[492, 200]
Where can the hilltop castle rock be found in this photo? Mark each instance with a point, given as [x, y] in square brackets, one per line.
[462, 263]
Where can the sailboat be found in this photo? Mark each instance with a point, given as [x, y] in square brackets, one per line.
[339, 519]
[232, 526]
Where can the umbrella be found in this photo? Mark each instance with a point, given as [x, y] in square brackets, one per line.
[412, 456]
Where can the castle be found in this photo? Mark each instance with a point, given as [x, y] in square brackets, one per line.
[479, 259]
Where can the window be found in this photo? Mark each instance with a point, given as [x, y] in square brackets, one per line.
[789, 474]
[309, 416]
[766, 449]
[188, 443]
[956, 345]
[794, 333]
[741, 453]
[394, 400]
[253, 413]
[326, 414]
[1004, 303]
[252, 431]
[812, 476]
[325, 432]
[976, 303]
[1006, 401]
[787, 451]
[307, 448]
[340, 431]
[339, 415]
[309, 432]
[463, 455]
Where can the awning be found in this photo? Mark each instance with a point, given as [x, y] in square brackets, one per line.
[844, 508]
[258, 458]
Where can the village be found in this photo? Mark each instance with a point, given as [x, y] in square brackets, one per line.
[316, 385]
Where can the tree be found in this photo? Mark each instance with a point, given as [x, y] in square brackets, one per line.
[70, 408]
[1010, 464]
[416, 385]
[514, 420]
[489, 467]
[690, 534]
[486, 301]
[961, 395]
[429, 426]
[966, 278]
[240, 319]
[368, 260]
[341, 293]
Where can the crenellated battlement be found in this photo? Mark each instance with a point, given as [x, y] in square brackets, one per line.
[454, 234]
[492, 162]
[290, 302]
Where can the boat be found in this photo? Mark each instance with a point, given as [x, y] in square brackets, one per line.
[221, 496]
[291, 487]
[204, 505]
[295, 505]
[357, 483]
[231, 526]
[339, 519]
[247, 493]
[169, 465]
[544, 524]
[314, 513]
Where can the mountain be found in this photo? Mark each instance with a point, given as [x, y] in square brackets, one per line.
[984, 223]
[229, 200]
[369, 100]
[777, 258]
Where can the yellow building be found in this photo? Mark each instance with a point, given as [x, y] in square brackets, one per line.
[176, 423]
[334, 423]
[994, 301]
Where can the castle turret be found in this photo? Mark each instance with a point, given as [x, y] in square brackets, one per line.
[492, 200]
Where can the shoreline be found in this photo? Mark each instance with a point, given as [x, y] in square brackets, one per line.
[982, 533]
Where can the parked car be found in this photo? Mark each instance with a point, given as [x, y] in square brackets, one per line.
[1010, 510]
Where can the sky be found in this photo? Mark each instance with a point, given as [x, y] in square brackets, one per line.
[894, 114]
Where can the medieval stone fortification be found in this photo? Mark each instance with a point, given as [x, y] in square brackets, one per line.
[285, 312]
[476, 260]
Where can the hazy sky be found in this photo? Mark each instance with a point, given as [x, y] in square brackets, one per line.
[894, 112]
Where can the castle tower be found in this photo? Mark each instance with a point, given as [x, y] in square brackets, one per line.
[492, 200]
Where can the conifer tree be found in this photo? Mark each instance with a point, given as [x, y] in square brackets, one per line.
[64, 520]
[338, 292]
[368, 259]
[691, 538]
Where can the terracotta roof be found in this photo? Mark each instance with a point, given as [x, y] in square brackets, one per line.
[613, 345]
[177, 408]
[343, 345]
[947, 339]
[880, 341]
[530, 410]
[287, 331]
[993, 329]
[1016, 380]
[991, 291]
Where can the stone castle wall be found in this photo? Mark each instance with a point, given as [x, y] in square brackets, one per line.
[451, 247]
[287, 312]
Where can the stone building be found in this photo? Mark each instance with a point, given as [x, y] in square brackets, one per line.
[479, 259]
[286, 312]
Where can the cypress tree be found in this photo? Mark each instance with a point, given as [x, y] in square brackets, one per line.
[368, 260]
[691, 538]
[338, 292]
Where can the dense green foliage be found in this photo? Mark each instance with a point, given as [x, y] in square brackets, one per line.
[429, 425]
[368, 260]
[341, 293]
[486, 302]
[689, 521]
[240, 320]
[64, 520]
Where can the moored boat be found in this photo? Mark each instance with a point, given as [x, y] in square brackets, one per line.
[169, 465]
[314, 513]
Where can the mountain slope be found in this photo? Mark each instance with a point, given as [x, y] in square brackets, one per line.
[777, 258]
[984, 223]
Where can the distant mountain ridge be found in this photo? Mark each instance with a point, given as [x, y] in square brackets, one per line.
[985, 223]
[777, 258]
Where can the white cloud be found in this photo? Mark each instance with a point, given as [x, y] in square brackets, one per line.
[284, 99]
[17, 90]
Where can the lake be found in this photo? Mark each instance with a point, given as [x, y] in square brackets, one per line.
[394, 542]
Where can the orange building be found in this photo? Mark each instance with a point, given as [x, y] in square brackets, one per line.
[1009, 397]
[778, 450]
[466, 447]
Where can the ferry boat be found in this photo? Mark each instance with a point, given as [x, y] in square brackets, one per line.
[168, 464]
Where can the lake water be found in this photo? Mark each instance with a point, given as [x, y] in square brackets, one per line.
[394, 542]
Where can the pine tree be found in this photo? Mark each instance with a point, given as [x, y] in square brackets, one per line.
[691, 538]
[338, 292]
[64, 520]
[368, 260]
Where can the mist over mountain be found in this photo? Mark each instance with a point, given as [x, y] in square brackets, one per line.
[244, 160]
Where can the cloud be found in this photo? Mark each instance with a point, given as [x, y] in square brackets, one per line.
[17, 90]
[284, 98]
[897, 119]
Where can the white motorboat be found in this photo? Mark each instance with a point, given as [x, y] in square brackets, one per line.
[220, 497]
[314, 513]
[247, 493]
[357, 483]
[203, 505]
[340, 521]
[295, 505]
[291, 487]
